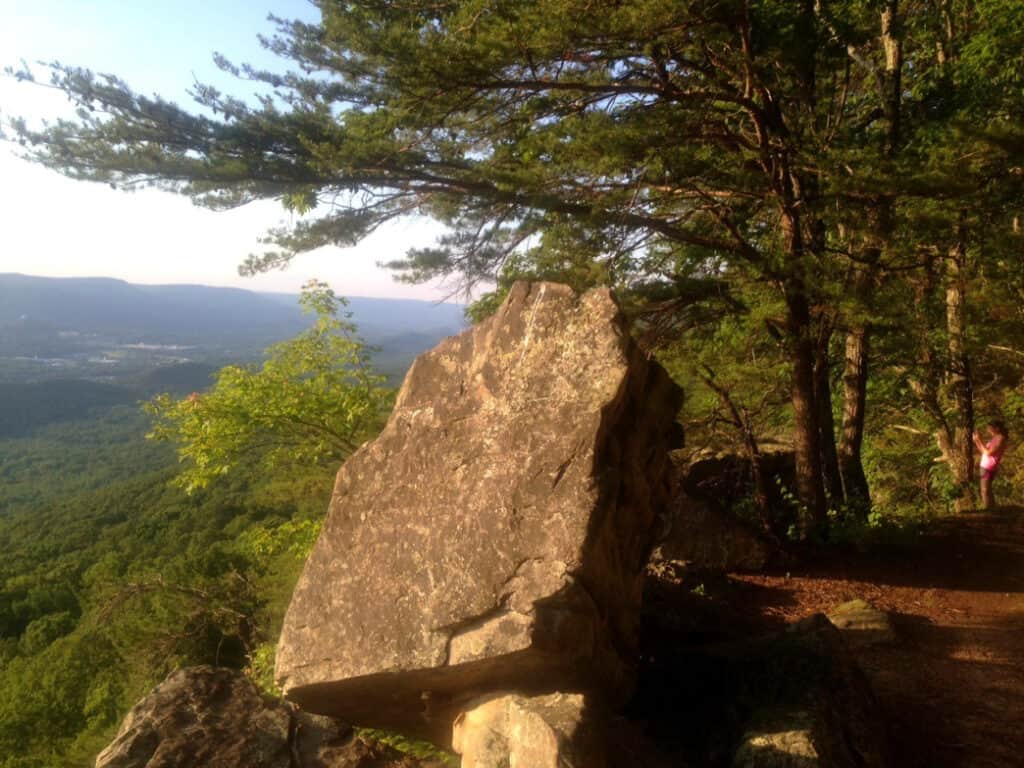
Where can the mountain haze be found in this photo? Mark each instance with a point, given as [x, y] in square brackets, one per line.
[183, 314]
[70, 347]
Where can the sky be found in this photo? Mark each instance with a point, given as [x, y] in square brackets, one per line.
[50, 225]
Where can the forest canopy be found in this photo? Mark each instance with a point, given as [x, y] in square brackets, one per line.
[812, 208]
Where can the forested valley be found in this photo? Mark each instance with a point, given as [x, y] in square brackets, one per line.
[113, 574]
[112, 577]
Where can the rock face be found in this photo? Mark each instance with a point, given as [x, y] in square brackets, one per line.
[215, 717]
[494, 535]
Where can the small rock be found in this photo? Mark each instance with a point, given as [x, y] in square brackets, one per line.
[792, 746]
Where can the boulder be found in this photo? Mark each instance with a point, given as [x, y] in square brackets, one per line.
[862, 624]
[724, 477]
[703, 528]
[494, 535]
[216, 718]
[707, 538]
[557, 730]
[718, 486]
[540, 732]
[825, 715]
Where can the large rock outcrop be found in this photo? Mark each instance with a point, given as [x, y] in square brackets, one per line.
[494, 536]
[215, 718]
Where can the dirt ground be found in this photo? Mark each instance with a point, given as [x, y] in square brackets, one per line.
[952, 685]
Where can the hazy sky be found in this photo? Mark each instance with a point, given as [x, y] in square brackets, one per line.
[50, 225]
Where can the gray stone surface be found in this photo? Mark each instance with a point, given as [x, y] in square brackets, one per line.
[216, 718]
[494, 535]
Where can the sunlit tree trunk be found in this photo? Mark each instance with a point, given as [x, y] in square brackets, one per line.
[960, 448]
[855, 381]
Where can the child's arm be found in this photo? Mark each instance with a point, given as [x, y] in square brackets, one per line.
[977, 442]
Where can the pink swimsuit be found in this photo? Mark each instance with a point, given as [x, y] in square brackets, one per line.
[989, 462]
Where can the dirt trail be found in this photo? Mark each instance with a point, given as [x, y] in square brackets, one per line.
[952, 685]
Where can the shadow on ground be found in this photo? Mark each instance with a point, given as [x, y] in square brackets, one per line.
[951, 686]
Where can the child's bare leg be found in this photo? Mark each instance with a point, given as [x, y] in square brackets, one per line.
[987, 501]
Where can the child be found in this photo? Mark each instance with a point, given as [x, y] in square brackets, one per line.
[991, 455]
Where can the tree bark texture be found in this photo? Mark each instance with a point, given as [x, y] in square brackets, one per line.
[806, 431]
[855, 381]
[826, 422]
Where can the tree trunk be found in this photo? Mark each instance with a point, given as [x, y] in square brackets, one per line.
[806, 431]
[826, 422]
[958, 377]
[855, 381]
[892, 44]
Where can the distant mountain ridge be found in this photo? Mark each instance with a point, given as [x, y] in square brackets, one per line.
[184, 314]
